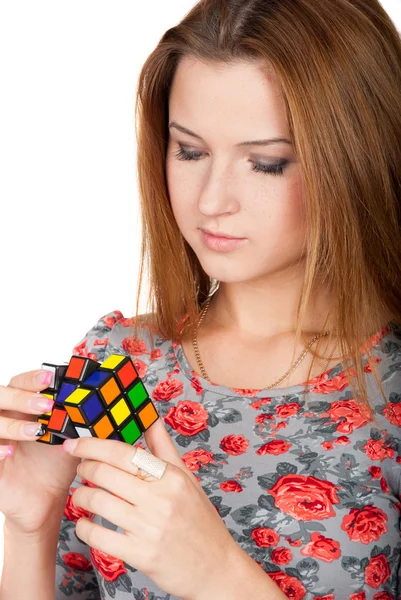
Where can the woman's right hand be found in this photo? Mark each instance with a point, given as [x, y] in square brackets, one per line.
[35, 478]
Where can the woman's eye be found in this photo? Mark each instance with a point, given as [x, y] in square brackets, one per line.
[184, 155]
[257, 167]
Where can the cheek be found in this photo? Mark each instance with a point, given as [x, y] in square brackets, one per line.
[184, 206]
[179, 193]
[279, 217]
[183, 214]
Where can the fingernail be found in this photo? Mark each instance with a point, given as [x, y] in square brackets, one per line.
[6, 451]
[44, 377]
[41, 403]
[70, 445]
[34, 429]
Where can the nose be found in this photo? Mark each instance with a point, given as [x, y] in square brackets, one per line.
[218, 195]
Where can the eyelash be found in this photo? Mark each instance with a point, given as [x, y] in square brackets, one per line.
[258, 168]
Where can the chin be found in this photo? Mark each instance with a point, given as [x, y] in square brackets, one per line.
[229, 273]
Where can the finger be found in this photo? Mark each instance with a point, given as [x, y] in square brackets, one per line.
[17, 429]
[103, 539]
[14, 402]
[31, 380]
[15, 399]
[161, 445]
[115, 453]
[102, 503]
[18, 400]
[5, 451]
[117, 482]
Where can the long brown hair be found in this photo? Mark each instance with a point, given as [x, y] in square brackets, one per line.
[339, 67]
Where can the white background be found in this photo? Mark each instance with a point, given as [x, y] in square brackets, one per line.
[69, 240]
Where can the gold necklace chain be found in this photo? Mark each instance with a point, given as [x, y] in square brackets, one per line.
[296, 363]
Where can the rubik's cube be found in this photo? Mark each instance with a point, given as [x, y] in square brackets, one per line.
[106, 400]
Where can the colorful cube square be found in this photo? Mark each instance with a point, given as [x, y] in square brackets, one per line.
[106, 400]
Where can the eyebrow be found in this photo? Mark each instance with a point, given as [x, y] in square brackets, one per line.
[250, 143]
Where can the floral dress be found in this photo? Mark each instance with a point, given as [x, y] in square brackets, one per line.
[308, 487]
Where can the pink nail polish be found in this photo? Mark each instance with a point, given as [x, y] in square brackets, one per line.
[48, 377]
[6, 451]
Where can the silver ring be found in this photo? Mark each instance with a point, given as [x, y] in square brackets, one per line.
[149, 462]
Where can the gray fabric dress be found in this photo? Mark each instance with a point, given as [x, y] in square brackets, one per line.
[309, 488]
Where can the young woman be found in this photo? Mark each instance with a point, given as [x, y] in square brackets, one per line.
[269, 162]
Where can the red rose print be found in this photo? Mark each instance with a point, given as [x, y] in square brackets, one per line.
[109, 567]
[244, 473]
[230, 486]
[260, 419]
[196, 384]
[119, 314]
[384, 486]
[376, 337]
[383, 596]
[327, 445]
[265, 537]
[187, 418]
[257, 404]
[322, 547]
[109, 321]
[82, 350]
[134, 346]
[377, 571]
[86, 482]
[281, 556]
[245, 392]
[291, 586]
[167, 390]
[378, 450]
[322, 385]
[342, 440]
[196, 458]
[305, 497]
[77, 562]
[376, 472]
[234, 444]
[73, 513]
[393, 413]
[279, 426]
[358, 596]
[370, 361]
[101, 342]
[140, 366]
[354, 415]
[126, 322]
[326, 597]
[155, 354]
[287, 410]
[291, 542]
[274, 447]
[365, 524]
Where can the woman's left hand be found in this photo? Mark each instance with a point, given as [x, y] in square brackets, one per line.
[172, 532]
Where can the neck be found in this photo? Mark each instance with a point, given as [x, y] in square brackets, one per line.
[257, 313]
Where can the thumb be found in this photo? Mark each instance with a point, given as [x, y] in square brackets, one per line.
[161, 445]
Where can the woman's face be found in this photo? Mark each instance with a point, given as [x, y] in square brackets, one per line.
[218, 189]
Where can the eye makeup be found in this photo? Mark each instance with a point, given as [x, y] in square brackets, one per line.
[269, 169]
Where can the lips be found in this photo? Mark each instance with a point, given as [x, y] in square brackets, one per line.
[220, 243]
[221, 235]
